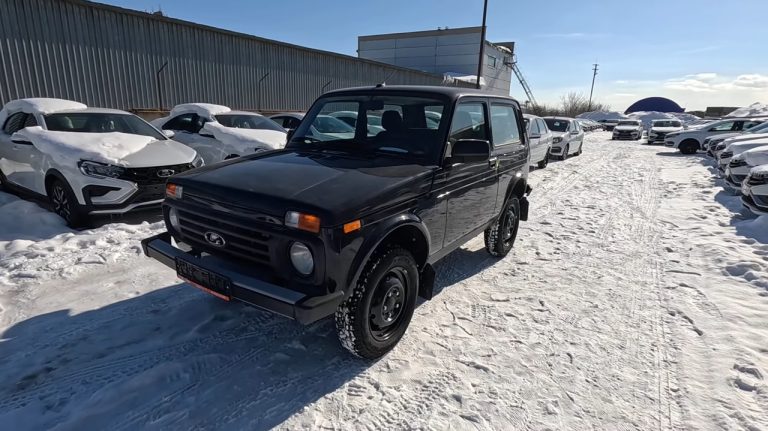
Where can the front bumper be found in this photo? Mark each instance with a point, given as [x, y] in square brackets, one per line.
[626, 136]
[247, 284]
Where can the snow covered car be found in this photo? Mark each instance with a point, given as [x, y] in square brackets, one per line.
[86, 161]
[691, 140]
[218, 133]
[740, 165]
[724, 158]
[567, 136]
[628, 129]
[660, 128]
[754, 190]
[539, 139]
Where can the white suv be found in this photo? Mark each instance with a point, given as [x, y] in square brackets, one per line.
[567, 136]
[628, 129]
[661, 128]
[87, 161]
[690, 141]
[218, 133]
[539, 140]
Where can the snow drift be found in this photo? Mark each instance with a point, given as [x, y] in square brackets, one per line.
[752, 110]
[71, 147]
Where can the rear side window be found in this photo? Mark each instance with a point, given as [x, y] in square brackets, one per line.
[191, 123]
[469, 122]
[14, 123]
[504, 125]
[723, 127]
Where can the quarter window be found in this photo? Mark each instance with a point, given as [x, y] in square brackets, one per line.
[504, 125]
[469, 122]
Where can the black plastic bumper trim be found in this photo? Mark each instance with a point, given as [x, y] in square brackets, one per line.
[303, 308]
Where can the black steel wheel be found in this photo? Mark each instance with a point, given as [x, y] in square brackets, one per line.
[376, 315]
[689, 146]
[501, 235]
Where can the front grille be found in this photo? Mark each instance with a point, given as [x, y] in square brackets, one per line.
[243, 242]
[624, 135]
[151, 176]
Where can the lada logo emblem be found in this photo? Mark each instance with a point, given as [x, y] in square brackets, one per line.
[215, 239]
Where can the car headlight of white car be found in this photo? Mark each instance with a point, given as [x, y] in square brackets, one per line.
[100, 170]
[198, 161]
[557, 140]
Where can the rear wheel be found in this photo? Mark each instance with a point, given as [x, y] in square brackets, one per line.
[545, 161]
[64, 203]
[375, 316]
[581, 145]
[501, 235]
[689, 146]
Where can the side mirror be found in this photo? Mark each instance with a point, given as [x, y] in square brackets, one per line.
[169, 133]
[470, 151]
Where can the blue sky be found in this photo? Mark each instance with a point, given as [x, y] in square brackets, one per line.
[694, 52]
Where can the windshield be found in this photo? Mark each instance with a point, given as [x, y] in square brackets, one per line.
[667, 123]
[248, 121]
[629, 123]
[557, 125]
[398, 126]
[93, 122]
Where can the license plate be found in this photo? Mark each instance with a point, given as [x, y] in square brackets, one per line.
[208, 281]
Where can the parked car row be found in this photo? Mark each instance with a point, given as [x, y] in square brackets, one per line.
[692, 139]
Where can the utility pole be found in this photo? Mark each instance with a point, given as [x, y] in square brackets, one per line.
[160, 86]
[258, 94]
[594, 74]
[482, 46]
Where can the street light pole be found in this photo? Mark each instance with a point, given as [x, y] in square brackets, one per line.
[482, 46]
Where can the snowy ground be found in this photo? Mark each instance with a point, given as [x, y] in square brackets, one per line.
[636, 298]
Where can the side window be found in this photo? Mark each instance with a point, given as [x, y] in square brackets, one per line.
[504, 125]
[30, 121]
[14, 123]
[191, 123]
[292, 123]
[469, 122]
[542, 126]
[723, 127]
[282, 121]
[750, 124]
[534, 128]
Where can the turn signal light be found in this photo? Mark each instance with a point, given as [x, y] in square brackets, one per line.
[307, 222]
[173, 191]
[352, 226]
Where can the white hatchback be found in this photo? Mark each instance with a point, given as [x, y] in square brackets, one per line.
[539, 140]
[86, 161]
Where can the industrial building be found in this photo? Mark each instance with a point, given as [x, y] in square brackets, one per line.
[453, 52]
[113, 57]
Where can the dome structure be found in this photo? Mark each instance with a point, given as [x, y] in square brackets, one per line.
[658, 104]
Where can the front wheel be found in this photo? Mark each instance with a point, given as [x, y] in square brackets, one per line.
[565, 152]
[375, 316]
[501, 235]
[578, 153]
[64, 203]
[688, 146]
[545, 161]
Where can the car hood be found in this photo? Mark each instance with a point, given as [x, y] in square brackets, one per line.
[336, 187]
[112, 148]
[666, 129]
[756, 156]
[246, 139]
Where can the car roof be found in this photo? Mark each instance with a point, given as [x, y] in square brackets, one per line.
[449, 92]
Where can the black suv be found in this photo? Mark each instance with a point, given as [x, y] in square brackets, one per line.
[350, 221]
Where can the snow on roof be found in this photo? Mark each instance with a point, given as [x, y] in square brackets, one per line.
[40, 105]
[753, 110]
[72, 147]
[201, 109]
[246, 138]
[762, 169]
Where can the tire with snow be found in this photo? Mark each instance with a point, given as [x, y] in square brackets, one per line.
[565, 152]
[375, 316]
[544, 162]
[64, 203]
[501, 235]
[689, 146]
[578, 153]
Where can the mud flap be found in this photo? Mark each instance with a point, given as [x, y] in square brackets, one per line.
[427, 282]
[524, 209]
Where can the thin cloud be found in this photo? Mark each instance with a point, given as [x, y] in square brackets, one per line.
[712, 82]
[574, 36]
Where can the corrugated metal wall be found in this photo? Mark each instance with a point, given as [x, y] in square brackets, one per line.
[109, 57]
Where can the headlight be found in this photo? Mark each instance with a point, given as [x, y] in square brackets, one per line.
[100, 170]
[737, 162]
[726, 155]
[198, 161]
[301, 258]
[557, 140]
[173, 219]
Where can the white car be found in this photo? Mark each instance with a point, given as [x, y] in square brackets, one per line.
[350, 117]
[754, 190]
[691, 140]
[628, 129]
[288, 120]
[86, 161]
[724, 158]
[539, 140]
[718, 143]
[740, 165]
[567, 136]
[660, 128]
[218, 133]
[324, 128]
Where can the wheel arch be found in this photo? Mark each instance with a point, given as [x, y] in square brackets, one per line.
[54, 174]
